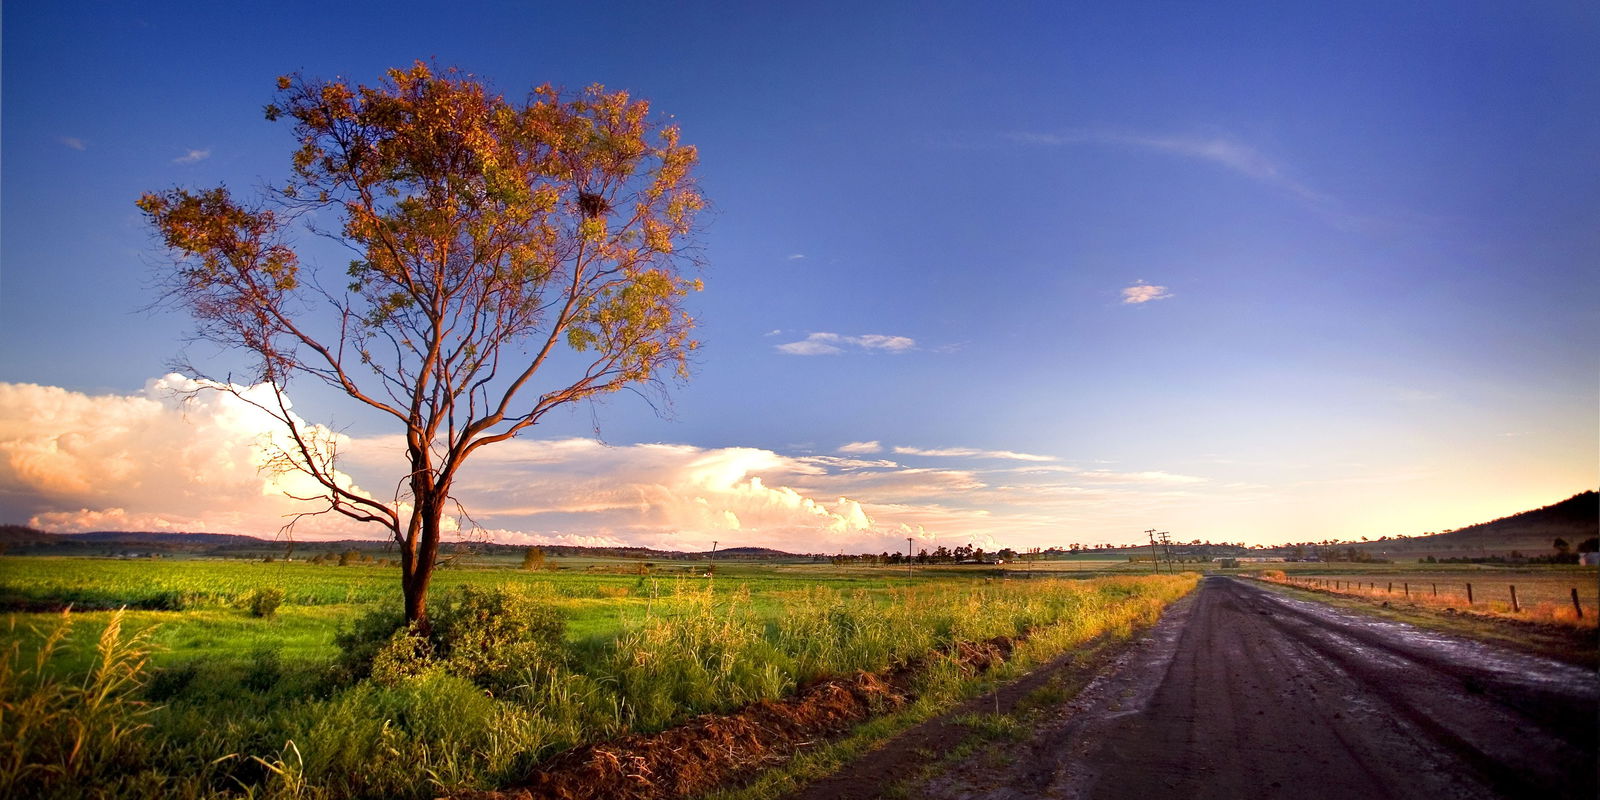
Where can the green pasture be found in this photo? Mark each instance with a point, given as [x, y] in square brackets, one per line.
[196, 605]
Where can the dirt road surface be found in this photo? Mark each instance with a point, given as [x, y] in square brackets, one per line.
[1240, 692]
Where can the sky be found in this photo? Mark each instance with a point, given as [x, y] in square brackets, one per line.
[1019, 274]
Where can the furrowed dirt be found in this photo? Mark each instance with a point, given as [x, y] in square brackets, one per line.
[1240, 692]
[711, 750]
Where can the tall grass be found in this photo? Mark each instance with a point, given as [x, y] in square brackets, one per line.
[61, 733]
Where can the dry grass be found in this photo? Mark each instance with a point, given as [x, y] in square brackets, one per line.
[1541, 597]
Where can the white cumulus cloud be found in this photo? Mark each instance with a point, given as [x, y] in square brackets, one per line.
[861, 447]
[1141, 292]
[192, 157]
[828, 344]
[169, 458]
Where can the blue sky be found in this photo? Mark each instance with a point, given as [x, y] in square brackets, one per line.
[1365, 236]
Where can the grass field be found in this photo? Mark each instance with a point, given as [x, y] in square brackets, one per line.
[187, 694]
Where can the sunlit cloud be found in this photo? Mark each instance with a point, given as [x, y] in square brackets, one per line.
[156, 461]
[828, 344]
[970, 452]
[861, 447]
[192, 157]
[169, 458]
[1142, 292]
[1106, 476]
[74, 142]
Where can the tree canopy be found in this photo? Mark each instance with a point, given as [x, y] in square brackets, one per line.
[509, 257]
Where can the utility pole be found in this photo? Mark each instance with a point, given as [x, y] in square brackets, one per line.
[1166, 548]
[1155, 561]
[910, 565]
[713, 568]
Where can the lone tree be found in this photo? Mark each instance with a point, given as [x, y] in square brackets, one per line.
[509, 258]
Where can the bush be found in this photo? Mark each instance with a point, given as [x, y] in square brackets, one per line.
[263, 601]
[407, 655]
[492, 637]
[367, 635]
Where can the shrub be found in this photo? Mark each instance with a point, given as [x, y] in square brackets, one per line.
[263, 601]
[490, 636]
[407, 655]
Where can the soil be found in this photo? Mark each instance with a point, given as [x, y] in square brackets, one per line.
[714, 750]
[1244, 693]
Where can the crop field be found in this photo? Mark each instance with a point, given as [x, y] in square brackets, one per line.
[187, 693]
[1542, 594]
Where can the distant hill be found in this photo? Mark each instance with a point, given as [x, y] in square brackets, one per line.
[1530, 533]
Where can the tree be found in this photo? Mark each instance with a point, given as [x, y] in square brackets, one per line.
[510, 258]
[533, 558]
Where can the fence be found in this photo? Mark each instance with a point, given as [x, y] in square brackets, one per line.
[1541, 599]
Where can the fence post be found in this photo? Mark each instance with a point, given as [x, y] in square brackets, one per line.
[1408, 589]
[1436, 590]
[1576, 606]
[1514, 606]
[1390, 590]
[1469, 594]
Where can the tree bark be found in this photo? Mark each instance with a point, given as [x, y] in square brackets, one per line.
[420, 555]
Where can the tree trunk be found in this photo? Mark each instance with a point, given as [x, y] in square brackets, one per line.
[418, 561]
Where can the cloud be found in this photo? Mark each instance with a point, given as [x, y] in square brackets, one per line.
[861, 447]
[970, 452]
[1104, 476]
[796, 257]
[1142, 292]
[156, 460]
[169, 458]
[828, 344]
[1220, 150]
[668, 494]
[74, 143]
[192, 157]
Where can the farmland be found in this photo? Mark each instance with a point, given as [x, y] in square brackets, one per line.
[316, 699]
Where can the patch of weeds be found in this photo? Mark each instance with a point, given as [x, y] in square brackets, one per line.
[994, 727]
[1050, 695]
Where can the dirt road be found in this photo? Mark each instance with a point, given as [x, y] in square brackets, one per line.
[1243, 693]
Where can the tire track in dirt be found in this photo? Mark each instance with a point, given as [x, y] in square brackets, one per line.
[1245, 693]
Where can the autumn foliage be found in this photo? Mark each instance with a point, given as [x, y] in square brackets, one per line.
[510, 257]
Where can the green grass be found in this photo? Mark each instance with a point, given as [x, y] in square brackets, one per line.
[260, 705]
